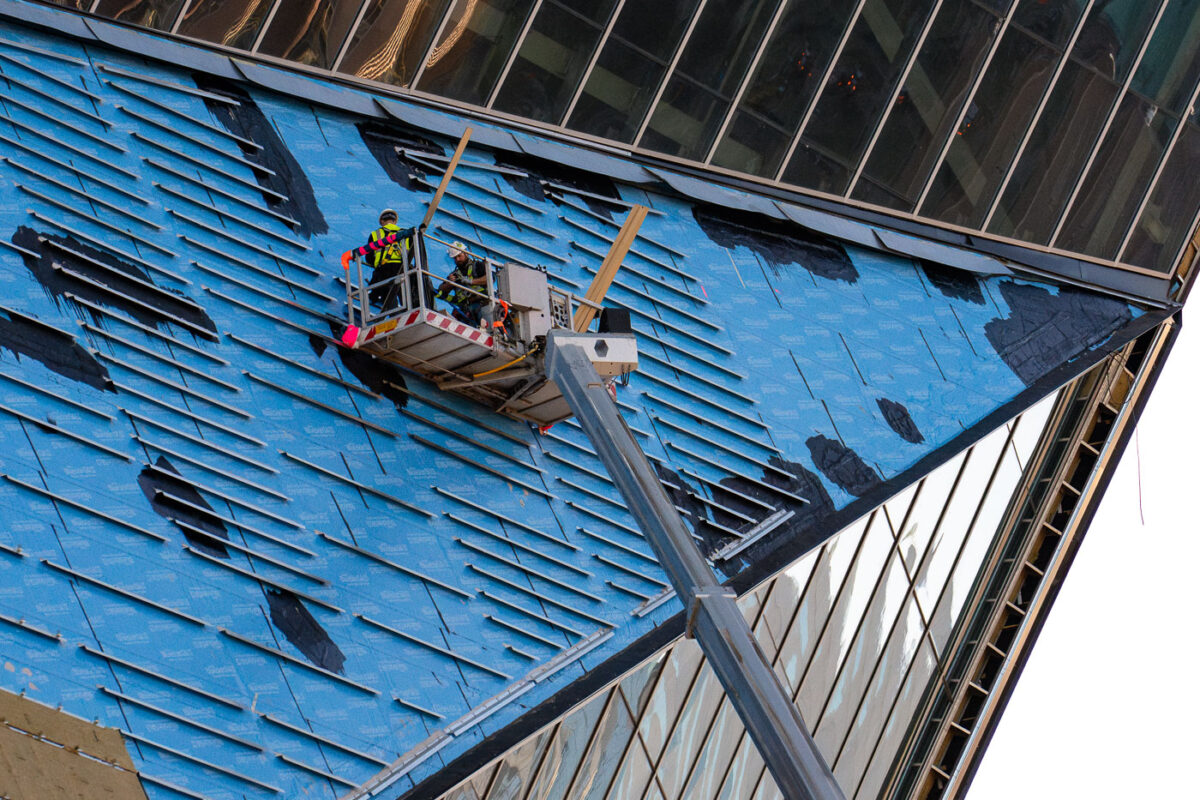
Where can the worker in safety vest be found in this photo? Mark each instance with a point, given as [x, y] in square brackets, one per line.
[468, 272]
[387, 250]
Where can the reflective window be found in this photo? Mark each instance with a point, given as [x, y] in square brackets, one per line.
[233, 23]
[392, 38]
[566, 751]
[158, 14]
[309, 31]
[1171, 64]
[674, 684]
[620, 88]
[690, 732]
[879, 731]
[928, 105]
[719, 748]
[1051, 20]
[1057, 151]
[783, 84]
[1166, 223]
[857, 93]
[517, 767]
[991, 131]
[473, 48]
[1113, 34]
[600, 765]
[1118, 179]
[743, 772]
[709, 73]
[551, 61]
[635, 773]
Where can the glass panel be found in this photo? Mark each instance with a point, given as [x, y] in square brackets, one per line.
[690, 732]
[719, 747]
[82, 5]
[517, 768]
[860, 666]
[159, 14]
[780, 609]
[991, 131]
[708, 75]
[818, 601]
[1166, 223]
[604, 756]
[1051, 20]
[1055, 155]
[623, 83]
[927, 106]
[867, 758]
[744, 772]
[1113, 34]
[678, 674]
[1029, 429]
[473, 49]
[463, 792]
[957, 518]
[1169, 69]
[896, 509]
[566, 750]
[551, 61]
[857, 93]
[1118, 179]
[392, 38]
[309, 31]
[634, 775]
[784, 82]
[991, 514]
[233, 23]
[842, 621]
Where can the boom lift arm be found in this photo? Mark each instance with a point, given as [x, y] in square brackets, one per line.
[713, 618]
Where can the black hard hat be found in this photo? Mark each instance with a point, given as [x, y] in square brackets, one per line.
[386, 213]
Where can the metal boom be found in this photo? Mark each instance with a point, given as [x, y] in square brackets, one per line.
[766, 710]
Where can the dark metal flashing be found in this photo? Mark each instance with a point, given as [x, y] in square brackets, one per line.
[318, 87]
[767, 558]
[1086, 517]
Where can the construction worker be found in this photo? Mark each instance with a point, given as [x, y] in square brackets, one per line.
[468, 272]
[386, 249]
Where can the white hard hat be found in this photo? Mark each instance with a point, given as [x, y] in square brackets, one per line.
[456, 249]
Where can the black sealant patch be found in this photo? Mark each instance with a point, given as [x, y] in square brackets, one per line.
[300, 628]
[85, 272]
[164, 491]
[383, 141]
[691, 509]
[899, 420]
[248, 121]
[805, 516]
[539, 169]
[842, 466]
[777, 242]
[1044, 331]
[317, 344]
[381, 377]
[955, 283]
[58, 351]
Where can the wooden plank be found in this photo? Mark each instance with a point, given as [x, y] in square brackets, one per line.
[608, 268]
[446, 176]
[75, 735]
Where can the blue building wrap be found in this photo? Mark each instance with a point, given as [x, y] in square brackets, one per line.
[280, 567]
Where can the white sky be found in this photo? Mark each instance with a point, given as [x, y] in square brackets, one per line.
[1109, 702]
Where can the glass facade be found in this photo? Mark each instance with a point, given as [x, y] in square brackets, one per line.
[1055, 122]
[855, 630]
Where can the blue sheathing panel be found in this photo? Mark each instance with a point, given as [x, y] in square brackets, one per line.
[276, 581]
